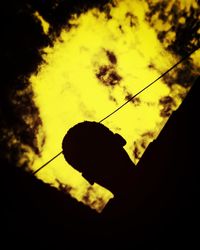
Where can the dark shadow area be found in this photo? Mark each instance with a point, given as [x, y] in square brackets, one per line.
[22, 53]
[171, 174]
[36, 213]
[155, 203]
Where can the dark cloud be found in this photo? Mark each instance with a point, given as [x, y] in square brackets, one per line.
[108, 76]
[184, 75]
[58, 12]
[185, 25]
[187, 36]
[111, 57]
[168, 104]
[133, 20]
[166, 100]
[97, 204]
[112, 98]
[23, 39]
[136, 101]
[65, 188]
[148, 134]
[141, 144]
[151, 66]
[136, 152]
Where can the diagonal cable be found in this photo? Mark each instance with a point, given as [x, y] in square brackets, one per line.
[130, 99]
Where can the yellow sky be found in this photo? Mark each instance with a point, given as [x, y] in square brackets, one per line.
[72, 86]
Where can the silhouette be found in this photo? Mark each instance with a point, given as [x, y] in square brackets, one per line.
[98, 154]
[157, 199]
[94, 150]
[167, 177]
[35, 212]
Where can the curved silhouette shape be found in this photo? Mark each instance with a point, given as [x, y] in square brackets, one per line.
[155, 199]
[98, 154]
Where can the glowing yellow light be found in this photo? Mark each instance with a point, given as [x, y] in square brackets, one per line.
[76, 84]
[45, 25]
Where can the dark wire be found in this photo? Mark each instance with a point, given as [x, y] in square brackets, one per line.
[130, 99]
[47, 162]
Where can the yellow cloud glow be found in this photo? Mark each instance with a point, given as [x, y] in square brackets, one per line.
[67, 89]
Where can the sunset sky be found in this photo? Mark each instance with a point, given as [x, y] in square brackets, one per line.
[94, 61]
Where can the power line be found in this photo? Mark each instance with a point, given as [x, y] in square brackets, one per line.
[47, 162]
[130, 99]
